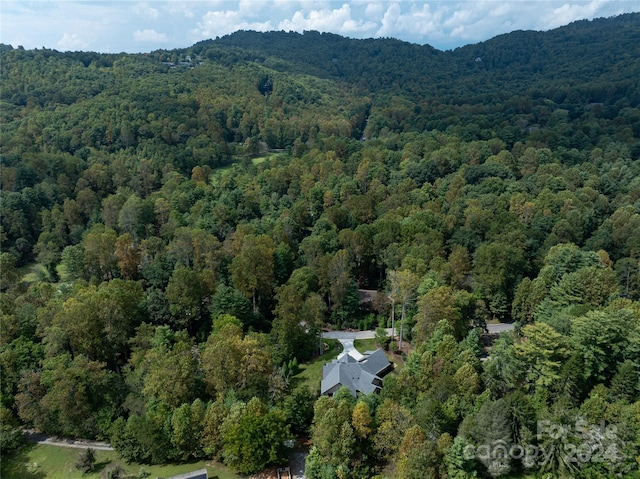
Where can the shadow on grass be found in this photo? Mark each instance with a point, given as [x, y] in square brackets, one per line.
[311, 372]
[18, 465]
[99, 466]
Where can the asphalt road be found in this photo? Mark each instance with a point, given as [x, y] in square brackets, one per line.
[500, 327]
[351, 335]
[38, 438]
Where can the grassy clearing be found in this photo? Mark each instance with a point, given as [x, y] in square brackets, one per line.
[265, 157]
[310, 374]
[364, 345]
[38, 461]
[220, 171]
[33, 272]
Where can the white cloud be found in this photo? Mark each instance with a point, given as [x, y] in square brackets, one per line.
[469, 22]
[570, 12]
[106, 25]
[373, 11]
[150, 36]
[285, 4]
[338, 20]
[186, 9]
[71, 42]
[145, 10]
[253, 8]
[465, 22]
[217, 23]
[424, 20]
[417, 22]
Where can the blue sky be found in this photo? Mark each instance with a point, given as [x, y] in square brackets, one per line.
[132, 26]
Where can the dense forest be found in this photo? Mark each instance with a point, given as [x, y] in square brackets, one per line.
[178, 227]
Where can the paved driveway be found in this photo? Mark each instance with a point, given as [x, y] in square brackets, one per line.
[347, 338]
[500, 327]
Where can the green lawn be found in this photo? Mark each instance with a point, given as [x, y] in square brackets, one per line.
[50, 462]
[364, 345]
[310, 373]
[267, 156]
[33, 272]
[220, 171]
[217, 174]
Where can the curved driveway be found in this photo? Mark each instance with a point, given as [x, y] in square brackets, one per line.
[346, 338]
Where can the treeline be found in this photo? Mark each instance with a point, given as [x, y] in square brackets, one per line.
[186, 270]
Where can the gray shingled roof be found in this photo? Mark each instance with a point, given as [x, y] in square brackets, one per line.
[359, 376]
[376, 363]
[199, 474]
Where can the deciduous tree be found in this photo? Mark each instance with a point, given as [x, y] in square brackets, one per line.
[253, 437]
[233, 362]
[252, 268]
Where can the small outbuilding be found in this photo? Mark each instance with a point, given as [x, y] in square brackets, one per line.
[360, 376]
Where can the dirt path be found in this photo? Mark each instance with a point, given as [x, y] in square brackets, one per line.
[35, 437]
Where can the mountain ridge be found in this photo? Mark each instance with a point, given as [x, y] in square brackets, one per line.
[589, 45]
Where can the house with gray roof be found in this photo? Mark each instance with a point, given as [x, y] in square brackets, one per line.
[360, 376]
[199, 474]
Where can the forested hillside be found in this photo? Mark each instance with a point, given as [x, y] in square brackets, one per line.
[177, 228]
